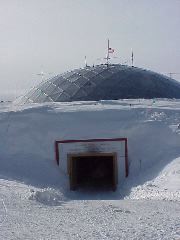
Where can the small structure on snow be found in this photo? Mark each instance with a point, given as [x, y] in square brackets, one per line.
[100, 163]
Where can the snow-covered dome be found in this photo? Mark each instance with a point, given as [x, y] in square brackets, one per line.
[104, 82]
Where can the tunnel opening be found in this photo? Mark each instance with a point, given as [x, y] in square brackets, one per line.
[93, 171]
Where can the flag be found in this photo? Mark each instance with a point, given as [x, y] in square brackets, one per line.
[110, 50]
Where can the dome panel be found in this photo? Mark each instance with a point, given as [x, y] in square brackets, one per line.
[64, 97]
[72, 90]
[81, 81]
[89, 74]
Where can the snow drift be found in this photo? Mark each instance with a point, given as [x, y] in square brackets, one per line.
[35, 201]
[29, 132]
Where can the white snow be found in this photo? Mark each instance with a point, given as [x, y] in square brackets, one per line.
[35, 201]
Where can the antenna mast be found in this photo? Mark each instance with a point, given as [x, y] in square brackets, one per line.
[172, 73]
[109, 50]
[85, 60]
[108, 54]
[132, 59]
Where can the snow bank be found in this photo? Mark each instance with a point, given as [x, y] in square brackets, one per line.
[166, 186]
[48, 196]
[28, 133]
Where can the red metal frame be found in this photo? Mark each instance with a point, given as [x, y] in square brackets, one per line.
[93, 140]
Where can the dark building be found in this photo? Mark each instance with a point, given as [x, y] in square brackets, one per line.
[104, 82]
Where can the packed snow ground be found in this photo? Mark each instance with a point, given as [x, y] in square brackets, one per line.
[35, 201]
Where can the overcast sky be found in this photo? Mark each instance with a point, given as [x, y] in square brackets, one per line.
[54, 36]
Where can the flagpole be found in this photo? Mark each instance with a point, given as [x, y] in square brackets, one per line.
[132, 59]
[85, 60]
[108, 53]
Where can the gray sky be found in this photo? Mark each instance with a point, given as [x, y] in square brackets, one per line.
[55, 35]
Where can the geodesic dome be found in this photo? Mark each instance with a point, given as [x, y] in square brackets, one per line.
[104, 82]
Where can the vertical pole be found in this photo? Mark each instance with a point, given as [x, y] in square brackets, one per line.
[85, 61]
[56, 152]
[108, 53]
[132, 59]
[126, 158]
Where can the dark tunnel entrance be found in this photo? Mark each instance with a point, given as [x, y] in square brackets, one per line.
[93, 171]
